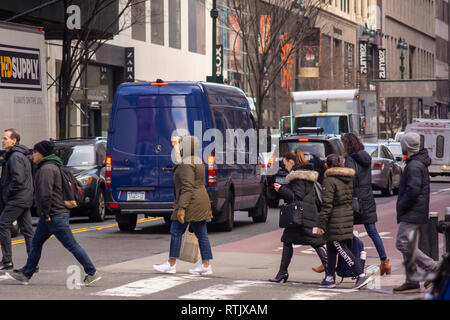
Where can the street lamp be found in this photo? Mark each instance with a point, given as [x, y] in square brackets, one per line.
[402, 45]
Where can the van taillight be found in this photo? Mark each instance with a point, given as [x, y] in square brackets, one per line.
[108, 172]
[212, 171]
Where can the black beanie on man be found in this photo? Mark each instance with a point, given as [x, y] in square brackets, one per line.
[44, 147]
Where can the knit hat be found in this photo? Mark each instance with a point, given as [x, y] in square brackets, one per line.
[410, 143]
[44, 147]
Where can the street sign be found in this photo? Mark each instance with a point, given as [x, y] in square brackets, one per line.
[382, 63]
[363, 67]
[129, 64]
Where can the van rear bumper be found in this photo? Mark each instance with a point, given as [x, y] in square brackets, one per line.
[148, 208]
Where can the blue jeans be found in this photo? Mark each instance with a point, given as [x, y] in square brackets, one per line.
[373, 234]
[59, 227]
[176, 231]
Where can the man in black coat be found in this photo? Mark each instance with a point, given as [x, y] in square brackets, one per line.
[17, 194]
[413, 205]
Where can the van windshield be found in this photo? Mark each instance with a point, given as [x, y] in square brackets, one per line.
[330, 124]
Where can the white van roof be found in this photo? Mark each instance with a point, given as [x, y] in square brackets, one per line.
[324, 95]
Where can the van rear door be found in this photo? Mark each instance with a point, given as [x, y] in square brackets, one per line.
[142, 168]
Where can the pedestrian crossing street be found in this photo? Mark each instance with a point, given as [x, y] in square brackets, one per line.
[231, 290]
[193, 287]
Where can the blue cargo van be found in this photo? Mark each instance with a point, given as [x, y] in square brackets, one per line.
[139, 167]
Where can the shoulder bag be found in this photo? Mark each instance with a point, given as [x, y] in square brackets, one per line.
[291, 215]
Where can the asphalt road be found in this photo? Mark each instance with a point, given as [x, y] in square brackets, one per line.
[125, 260]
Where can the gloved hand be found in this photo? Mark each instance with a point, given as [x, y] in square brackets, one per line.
[180, 215]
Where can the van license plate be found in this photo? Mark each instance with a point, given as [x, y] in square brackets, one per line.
[136, 196]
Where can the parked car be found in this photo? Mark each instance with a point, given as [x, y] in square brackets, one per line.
[139, 175]
[396, 149]
[85, 157]
[315, 147]
[386, 172]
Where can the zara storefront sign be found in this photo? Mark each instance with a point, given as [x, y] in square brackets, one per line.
[129, 64]
[363, 67]
[382, 63]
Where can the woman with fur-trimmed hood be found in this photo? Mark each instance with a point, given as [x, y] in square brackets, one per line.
[336, 220]
[301, 179]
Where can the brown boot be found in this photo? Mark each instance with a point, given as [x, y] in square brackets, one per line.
[319, 269]
[385, 267]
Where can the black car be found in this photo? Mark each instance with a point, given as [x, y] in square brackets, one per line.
[315, 147]
[85, 157]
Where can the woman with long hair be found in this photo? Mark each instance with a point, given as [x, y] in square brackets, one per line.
[301, 179]
[359, 160]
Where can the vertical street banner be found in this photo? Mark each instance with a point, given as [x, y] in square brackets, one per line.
[287, 58]
[310, 56]
[219, 63]
[382, 64]
[363, 65]
[349, 63]
[129, 64]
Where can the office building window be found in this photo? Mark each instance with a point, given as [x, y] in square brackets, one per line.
[197, 21]
[175, 24]
[157, 21]
[138, 20]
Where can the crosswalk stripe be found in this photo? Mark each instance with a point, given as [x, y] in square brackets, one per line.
[222, 291]
[147, 286]
[4, 277]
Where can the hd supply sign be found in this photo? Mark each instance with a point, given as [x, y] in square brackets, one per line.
[19, 68]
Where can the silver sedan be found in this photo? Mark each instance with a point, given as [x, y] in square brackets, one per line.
[386, 172]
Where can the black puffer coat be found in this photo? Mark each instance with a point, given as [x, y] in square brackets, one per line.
[301, 187]
[361, 162]
[413, 200]
[17, 180]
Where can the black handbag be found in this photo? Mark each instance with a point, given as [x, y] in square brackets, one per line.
[291, 215]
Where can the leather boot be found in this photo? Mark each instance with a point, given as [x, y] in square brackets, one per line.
[286, 257]
[322, 253]
[385, 267]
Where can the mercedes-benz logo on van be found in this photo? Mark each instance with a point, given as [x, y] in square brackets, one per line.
[158, 148]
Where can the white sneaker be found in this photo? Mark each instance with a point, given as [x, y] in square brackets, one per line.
[165, 267]
[201, 270]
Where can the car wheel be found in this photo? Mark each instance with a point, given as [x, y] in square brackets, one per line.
[388, 191]
[126, 222]
[99, 211]
[259, 214]
[14, 229]
[227, 226]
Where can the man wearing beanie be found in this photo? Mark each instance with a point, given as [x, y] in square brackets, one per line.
[413, 205]
[16, 193]
[54, 216]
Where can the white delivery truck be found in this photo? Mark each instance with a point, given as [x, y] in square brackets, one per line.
[434, 136]
[335, 111]
[23, 82]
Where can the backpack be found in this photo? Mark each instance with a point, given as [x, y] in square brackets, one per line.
[342, 269]
[71, 189]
